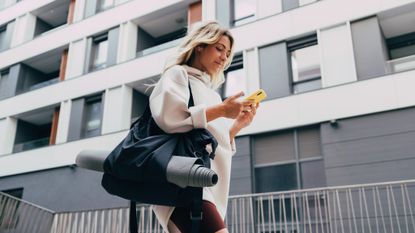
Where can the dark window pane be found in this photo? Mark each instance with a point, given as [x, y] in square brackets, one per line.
[275, 147]
[275, 178]
[313, 174]
[18, 193]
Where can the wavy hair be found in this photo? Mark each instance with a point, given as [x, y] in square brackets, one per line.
[202, 33]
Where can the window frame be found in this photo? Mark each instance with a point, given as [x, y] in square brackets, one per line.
[94, 50]
[297, 161]
[89, 101]
[295, 45]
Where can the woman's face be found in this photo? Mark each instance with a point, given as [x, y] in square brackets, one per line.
[212, 57]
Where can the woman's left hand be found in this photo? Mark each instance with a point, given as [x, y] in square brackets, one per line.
[244, 119]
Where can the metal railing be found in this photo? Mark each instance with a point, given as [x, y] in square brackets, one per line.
[369, 208]
[373, 208]
[18, 216]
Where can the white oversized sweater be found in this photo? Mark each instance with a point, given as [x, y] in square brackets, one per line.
[168, 103]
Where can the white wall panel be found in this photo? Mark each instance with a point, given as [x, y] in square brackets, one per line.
[208, 9]
[337, 60]
[117, 109]
[268, 7]
[127, 44]
[79, 10]
[24, 29]
[63, 122]
[76, 58]
[7, 134]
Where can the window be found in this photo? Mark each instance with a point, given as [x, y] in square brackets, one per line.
[92, 117]
[243, 11]
[235, 79]
[99, 52]
[305, 64]
[105, 4]
[402, 52]
[288, 160]
[3, 37]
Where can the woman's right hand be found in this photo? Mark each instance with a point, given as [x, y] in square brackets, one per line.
[229, 108]
[232, 107]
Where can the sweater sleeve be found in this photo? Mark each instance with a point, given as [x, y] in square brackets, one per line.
[169, 100]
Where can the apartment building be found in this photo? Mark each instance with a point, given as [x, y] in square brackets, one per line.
[339, 77]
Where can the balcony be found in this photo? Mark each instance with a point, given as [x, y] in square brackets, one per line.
[378, 208]
[400, 64]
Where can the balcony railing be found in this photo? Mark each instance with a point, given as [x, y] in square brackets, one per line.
[30, 145]
[373, 208]
[401, 64]
[18, 216]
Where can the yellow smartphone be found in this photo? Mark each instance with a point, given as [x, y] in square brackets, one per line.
[257, 96]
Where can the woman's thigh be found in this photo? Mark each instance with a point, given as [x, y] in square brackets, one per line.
[211, 220]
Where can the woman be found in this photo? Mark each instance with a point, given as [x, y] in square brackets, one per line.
[204, 54]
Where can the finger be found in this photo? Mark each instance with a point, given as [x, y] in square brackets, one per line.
[236, 96]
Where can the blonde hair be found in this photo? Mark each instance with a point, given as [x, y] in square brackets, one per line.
[202, 33]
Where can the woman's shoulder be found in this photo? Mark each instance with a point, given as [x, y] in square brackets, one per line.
[176, 73]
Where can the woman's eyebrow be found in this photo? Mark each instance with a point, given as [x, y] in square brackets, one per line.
[224, 46]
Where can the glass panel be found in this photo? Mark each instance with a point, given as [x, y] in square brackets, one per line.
[235, 82]
[309, 142]
[403, 51]
[305, 63]
[104, 4]
[271, 148]
[100, 54]
[92, 119]
[276, 178]
[313, 174]
[244, 11]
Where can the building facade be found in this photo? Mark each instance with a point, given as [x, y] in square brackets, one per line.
[338, 74]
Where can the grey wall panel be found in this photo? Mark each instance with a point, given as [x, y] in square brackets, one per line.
[274, 70]
[384, 123]
[371, 173]
[241, 181]
[290, 4]
[370, 148]
[63, 189]
[76, 118]
[369, 48]
[112, 46]
[144, 40]
[223, 12]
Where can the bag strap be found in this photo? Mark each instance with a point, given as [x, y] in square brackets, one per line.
[133, 217]
[196, 212]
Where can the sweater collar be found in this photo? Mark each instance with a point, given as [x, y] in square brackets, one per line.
[198, 74]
